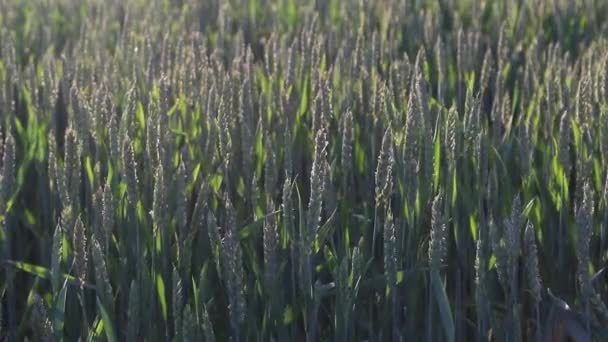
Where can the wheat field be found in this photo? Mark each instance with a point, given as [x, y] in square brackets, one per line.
[304, 170]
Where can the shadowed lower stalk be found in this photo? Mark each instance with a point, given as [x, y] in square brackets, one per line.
[40, 323]
[534, 281]
[7, 183]
[317, 182]
[79, 244]
[437, 252]
[390, 271]
[343, 296]
[513, 227]
[480, 289]
[289, 226]
[233, 270]
[565, 160]
[584, 221]
[271, 267]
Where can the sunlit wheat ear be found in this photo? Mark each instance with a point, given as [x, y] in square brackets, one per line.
[384, 169]
[317, 112]
[390, 250]
[379, 104]
[290, 72]
[41, 324]
[81, 119]
[247, 127]
[71, 169]
[151, 138]
[271, 169]
[130, 171]
[487, 69]
[346, 155]
[107, 214]
[2, 146]
[412, 132]
[450, 137]
[98, 111]
[7, 174]
[317, 183]
[269, 57]
[472, 109]
[56, 256]
[583, 100]
[460, 53]
[113, 136]
[79, 244]
[437, 251]
[102, 280]
[441, 70]
[223, 122]
[159, 204]
[531, 261]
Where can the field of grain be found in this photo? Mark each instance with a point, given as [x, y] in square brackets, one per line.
[304, 170]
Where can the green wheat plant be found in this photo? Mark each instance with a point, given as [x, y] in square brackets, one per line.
[298, 170]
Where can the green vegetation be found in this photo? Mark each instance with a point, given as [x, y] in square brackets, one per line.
[290, 170]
